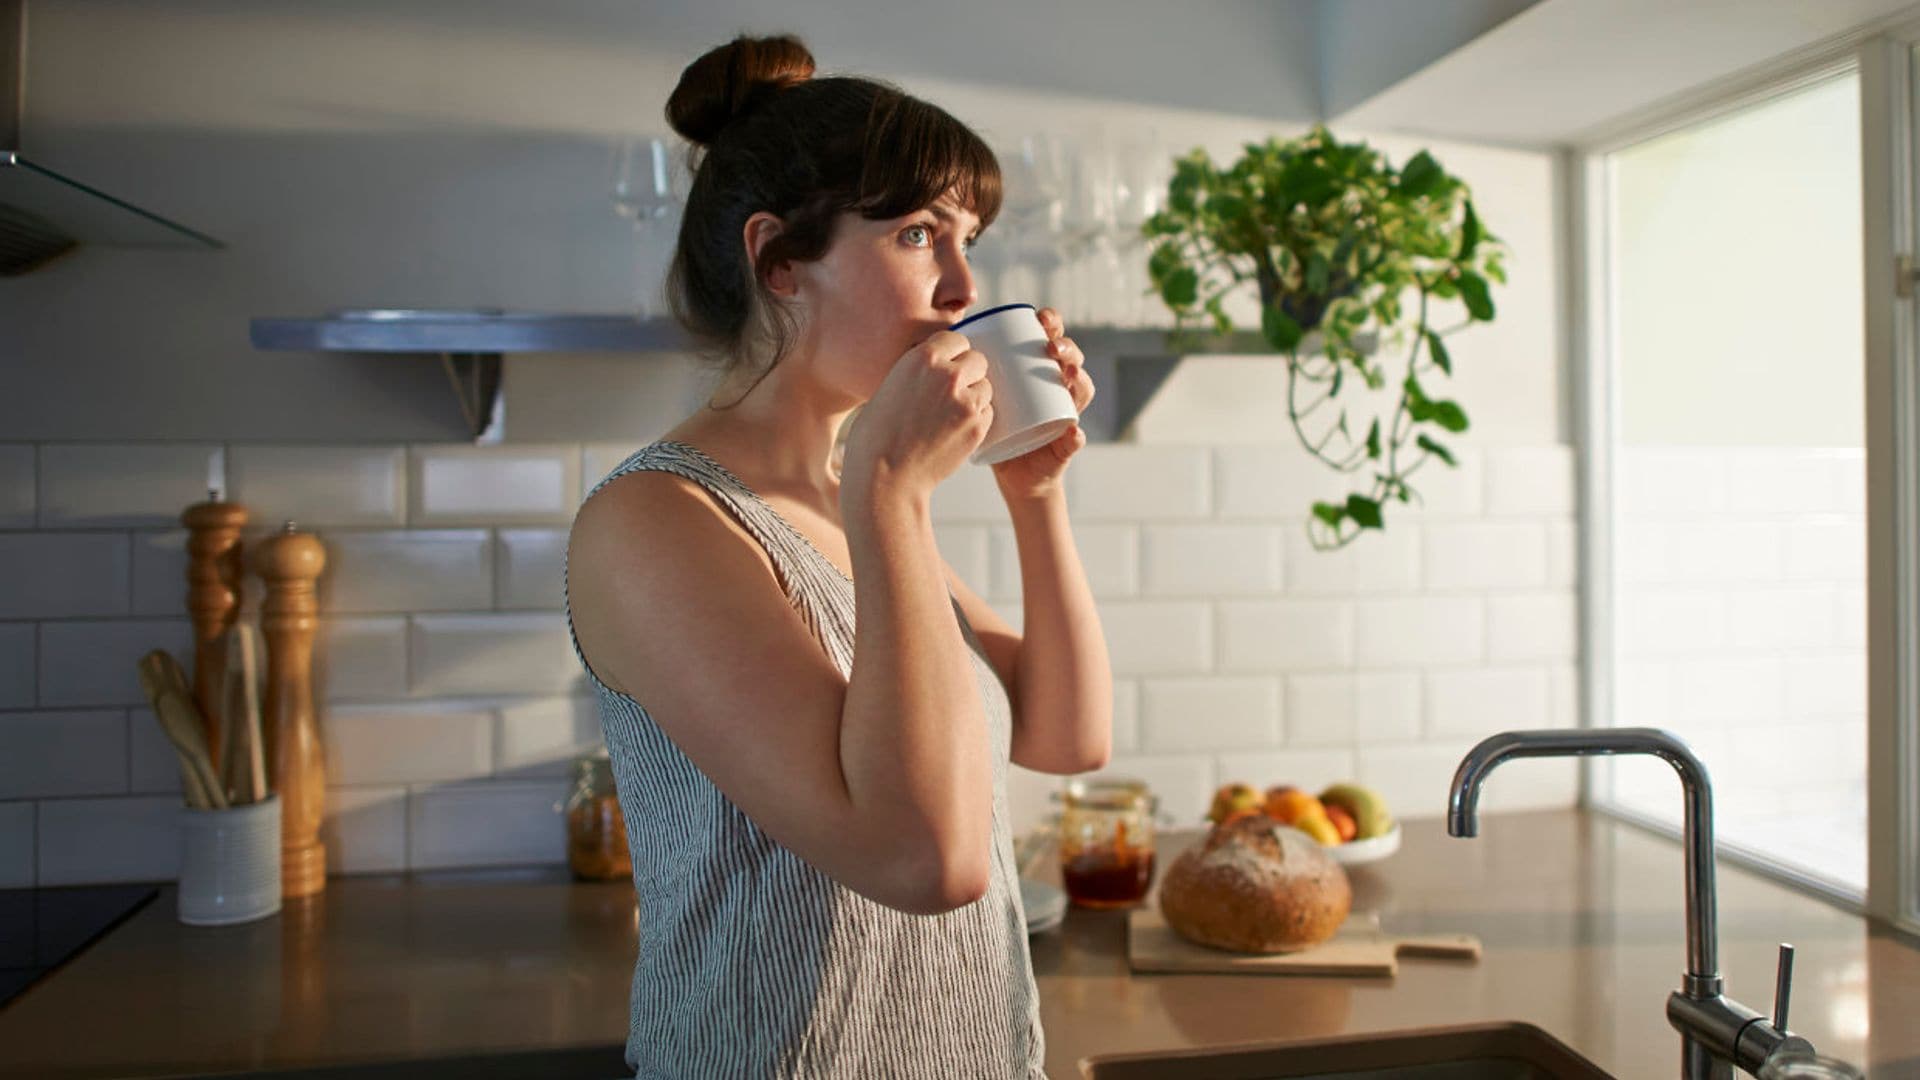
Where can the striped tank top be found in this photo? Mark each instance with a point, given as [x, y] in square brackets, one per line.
[752, 963]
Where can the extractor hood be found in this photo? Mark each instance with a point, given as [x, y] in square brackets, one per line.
[43, 212]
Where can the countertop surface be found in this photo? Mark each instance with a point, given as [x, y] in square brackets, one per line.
[1580, 916]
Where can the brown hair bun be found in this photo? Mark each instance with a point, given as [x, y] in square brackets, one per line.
[1255, 885]
[731, 79]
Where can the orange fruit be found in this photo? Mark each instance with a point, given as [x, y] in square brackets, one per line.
[1343, 823]
[1288, 805]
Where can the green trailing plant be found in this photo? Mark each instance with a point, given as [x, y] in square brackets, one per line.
[1334, 238]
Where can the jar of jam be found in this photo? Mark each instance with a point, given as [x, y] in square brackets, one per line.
[596, 830]
[1106, 841]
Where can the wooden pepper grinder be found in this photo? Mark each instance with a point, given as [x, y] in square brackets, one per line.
[290, 561]
[214, 568]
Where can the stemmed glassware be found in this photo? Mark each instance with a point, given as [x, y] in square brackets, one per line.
[649, 185]
[1144, 169]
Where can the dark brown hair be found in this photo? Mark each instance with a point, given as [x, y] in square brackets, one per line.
[769, 136]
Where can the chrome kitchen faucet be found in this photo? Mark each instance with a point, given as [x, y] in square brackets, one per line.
[1716, 1032]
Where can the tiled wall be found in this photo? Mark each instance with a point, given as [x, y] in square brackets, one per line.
[1742, 627]
[452, 703]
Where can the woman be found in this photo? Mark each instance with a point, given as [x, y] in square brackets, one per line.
[816, 804]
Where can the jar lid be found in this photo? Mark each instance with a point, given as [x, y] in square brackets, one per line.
[1107, 792]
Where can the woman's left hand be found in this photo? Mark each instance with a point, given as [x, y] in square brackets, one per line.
[1037, 472]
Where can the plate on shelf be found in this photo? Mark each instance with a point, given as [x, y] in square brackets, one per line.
[1045, 905]
[1372, 849]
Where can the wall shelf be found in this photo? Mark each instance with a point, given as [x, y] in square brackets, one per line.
[1130, 364]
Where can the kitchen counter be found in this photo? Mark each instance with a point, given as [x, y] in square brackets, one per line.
[1580, 918]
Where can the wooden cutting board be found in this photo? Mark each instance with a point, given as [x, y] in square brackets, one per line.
[1359, 948]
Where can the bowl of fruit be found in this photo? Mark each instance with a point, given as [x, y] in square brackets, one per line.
[1351, 821]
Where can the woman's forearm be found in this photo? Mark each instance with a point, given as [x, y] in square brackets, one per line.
[1063, 679]
[913, 740]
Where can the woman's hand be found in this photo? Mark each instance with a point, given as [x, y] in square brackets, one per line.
[1037, 473]
[931, 411]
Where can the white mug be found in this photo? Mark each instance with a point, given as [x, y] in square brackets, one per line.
[1031, 404]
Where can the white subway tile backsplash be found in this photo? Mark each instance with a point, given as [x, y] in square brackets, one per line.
[1183, 783]
[1670, 622]
[1783, 618]
[1126, 715]
[95, 662]
[1209, 560]
[540, 739]
[398, 744]
[1850, 620]
[964, 547]
[1419, 630]
[1485, 555]
[1791, 480]
[1826, 686]
[64, 575]
[1320, 710]
[1719, 550]
[1740, 690]
[18, 658]
[1530, 481]
[505, 653]
[1157, 637]
[1540, 626]
[57, 754]
[16, 845]
[361, 658]
[1030, 798]
[142, 485]
[1386, 705]
[1109, 554]
[1376, 562]
[17, 486]
[481, 485]
[1414, 778]
[970, 494]
[1120, 482]
[1285, 635]
[407, 570]
[492, 824]
[160, 572]
[1268, 482]
[365, 830]
[1442, 492]
[1683, 481]
[1563, 554]
[1210, 713]
[1480, 702]
[531, 568]
[100, 841]
[1563, 705]
[153, 767]
[320, 486]
[1826, 549]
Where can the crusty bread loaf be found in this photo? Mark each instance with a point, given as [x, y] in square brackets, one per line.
[1255, 885]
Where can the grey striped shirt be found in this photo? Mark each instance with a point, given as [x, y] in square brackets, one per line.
[754, 963]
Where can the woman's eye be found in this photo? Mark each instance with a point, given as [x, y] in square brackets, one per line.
[911, 229]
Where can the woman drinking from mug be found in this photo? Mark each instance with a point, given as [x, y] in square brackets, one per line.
[810, 715]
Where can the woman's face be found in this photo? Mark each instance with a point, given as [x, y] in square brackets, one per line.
[884, 287]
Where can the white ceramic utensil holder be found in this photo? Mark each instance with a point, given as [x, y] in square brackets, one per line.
[230, 863]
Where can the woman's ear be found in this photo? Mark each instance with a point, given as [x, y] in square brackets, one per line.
[759, 231]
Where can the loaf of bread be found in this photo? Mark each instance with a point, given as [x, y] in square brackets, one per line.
[1255, 885]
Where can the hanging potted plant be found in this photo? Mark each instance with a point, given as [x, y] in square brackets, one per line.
[1334, 238]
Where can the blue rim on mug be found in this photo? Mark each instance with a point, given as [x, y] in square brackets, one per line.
[990, 311]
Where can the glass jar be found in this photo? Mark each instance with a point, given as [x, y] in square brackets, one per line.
[596, 830]
[1106, 841]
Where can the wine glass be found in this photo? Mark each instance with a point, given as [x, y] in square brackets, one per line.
[1145, 167]
[649, 184]
[1033, 178]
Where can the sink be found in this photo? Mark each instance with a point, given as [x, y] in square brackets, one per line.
[605, 1062]
[1504, 1051]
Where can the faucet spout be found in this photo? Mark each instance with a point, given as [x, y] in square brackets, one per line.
[1463, 815]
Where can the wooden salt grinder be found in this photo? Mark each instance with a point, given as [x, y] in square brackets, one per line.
[290, 562]
[214, 568]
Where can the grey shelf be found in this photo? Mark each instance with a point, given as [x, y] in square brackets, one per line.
[1131, 364]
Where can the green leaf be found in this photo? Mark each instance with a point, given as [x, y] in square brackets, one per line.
[1435, 449]
[1469, 233]
[1317, 269]
[1439, 352]
[1473, 289]
[1164, 260]
[1279, 328]
[1449, 415]
[1331, 513]
[1420, 176]
[1373, 439]
[1181, 288]
[1364, 512]
[1221, 322]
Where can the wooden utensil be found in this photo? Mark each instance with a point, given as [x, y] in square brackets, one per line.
[214, 583]
[165, 687]
[1359, 948]
[244, 772]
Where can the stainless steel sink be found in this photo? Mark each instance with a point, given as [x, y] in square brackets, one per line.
[1510, 1051]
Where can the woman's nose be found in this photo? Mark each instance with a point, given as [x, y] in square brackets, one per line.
[958, 291]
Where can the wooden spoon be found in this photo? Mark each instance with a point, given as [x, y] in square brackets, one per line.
[167, 690]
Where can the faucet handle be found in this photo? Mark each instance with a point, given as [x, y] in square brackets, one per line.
[1782, 985]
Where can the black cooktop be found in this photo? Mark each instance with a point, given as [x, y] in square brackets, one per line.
[40, 929]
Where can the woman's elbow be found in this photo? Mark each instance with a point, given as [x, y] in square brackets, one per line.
[943, 883]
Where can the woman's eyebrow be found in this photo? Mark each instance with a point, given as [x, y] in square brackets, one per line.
[946, 215]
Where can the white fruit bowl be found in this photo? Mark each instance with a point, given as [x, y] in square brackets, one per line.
[1372, 849]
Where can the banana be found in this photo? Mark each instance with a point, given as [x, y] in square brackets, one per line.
[1369, 810]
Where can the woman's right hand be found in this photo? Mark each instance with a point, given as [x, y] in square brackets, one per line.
[932, 410]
